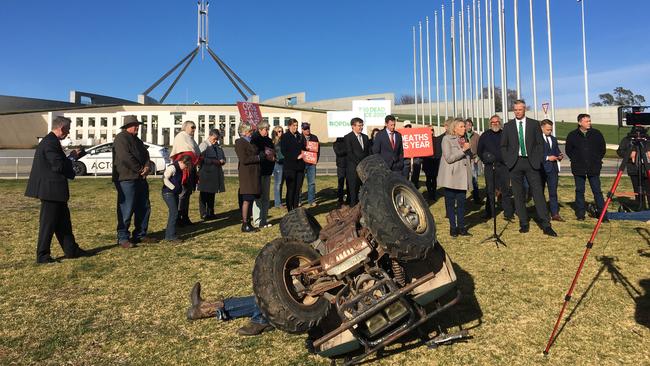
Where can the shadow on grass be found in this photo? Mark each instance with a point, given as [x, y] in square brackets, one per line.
[642, 312]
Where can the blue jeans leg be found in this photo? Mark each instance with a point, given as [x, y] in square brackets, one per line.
[142, 210]
[277, 185]
[171, 200]
[580, 195]
[241, 307]
[460, 208]
[594, 183]
[310, 172]
[125, 204]
[450, 203]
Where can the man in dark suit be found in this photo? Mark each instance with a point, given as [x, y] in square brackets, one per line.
[48, 181]
[522, 149]
[552, 157]
[388, 144]
[357, 146]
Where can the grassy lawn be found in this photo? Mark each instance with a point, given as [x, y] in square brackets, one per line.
[127, 307]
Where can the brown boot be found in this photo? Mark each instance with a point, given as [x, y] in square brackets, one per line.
[200, 308]
[195, 294]
[252, 329]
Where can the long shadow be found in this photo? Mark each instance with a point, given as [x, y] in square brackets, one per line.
[642, 311]
[91, 251]
[608, 264]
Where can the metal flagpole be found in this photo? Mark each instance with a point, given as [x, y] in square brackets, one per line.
[502, 57]
[476, 99]
[584, 55]
[493, 107]
[532, 51]
[415, 80]
[421, 76]
[480, 63]
[435, 33]
[488, 57]
[429, 72]
[516, 14]
[550, 61]
[461, 29]
[453, 58]
[444, 61]
[470, 54]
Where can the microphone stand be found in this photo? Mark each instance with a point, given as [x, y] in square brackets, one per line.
[495, 237]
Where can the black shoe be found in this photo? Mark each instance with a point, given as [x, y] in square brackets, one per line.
[248, 228]
[580, 218]
[46, 260]
[487, 216]
[453, 232]
[524, 229]
[79, 253]
[549, 231]
[509, 218]
[464, 232]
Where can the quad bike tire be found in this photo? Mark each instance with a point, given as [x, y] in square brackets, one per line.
[398, 217]
[300, 225]
[372, 166]
[79, 168]
[275, 293]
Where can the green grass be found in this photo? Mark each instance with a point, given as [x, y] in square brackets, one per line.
[127, 307]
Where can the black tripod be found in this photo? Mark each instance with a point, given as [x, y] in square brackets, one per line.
[496, 238]
[638, 146]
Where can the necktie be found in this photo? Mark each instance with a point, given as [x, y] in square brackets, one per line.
[522, 143]
[360, 140]
[392, 140]
[548, 141]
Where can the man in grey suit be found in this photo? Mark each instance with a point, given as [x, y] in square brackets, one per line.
[522, 149]
[388, 144]
[48, 181]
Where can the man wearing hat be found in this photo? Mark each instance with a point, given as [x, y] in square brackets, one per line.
[48, 181]
[310, 169]
[131, 166]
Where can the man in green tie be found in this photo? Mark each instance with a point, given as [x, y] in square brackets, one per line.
[522, 149]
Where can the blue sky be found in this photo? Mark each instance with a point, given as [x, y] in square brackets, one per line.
[327, 48]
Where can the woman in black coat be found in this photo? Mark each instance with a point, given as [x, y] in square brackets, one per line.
[292, 144]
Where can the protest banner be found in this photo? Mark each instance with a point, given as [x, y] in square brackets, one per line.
[250, 113]
[338, 123]
[312, 146]
[372, 112]
[417, 142]
[310, 157]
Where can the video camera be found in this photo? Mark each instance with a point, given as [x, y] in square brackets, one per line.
[633, 116]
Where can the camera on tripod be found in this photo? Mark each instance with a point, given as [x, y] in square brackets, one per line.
[629, 115]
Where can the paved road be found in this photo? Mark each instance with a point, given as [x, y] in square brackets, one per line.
[18, 163]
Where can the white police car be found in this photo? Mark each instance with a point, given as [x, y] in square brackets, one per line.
[99, 159]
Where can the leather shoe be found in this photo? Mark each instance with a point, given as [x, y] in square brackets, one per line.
[464, 232]
[46, 260]
[557, 218]
[127, 244]
[195, 294]
[79, 253]
[145, 240]
[549, 231]
[248, 228]
[524, 229]
[252, 329]
[580, 218]
[509, 218]
[453, 232]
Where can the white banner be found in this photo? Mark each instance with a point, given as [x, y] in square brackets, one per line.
[338, 123]
[372, 112]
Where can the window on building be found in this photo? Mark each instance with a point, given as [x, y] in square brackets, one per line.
[80, 121]
[202, 126]
[165, 136]
[154, 129]
[222, 118]
[276, 121]
[292, 101]
[102, 136]
[79, 136]
[233, 133]
[115, 122]
[286, 121]
[91, 121]
[178, 118]
[144, 128]
[265, 119]
[103, 122]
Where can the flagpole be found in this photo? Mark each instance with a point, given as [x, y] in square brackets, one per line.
[475, 100]
[444, 61]
[453, 58]
[461, 29]
[421, 75]
[584, 55]
[415, 79]
[470, 54]
[493, 106]
[550, 61]
[488, 57]
[480, 63]
[429, 71]
[516, 14]
[502, 58]
[435, 24]
[532, 51]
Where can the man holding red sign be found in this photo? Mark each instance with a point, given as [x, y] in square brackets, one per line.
[311, 159]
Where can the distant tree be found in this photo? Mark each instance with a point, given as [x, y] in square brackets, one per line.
[405, 99]
[512, 96]
[621, 96]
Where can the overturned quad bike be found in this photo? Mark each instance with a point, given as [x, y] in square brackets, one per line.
[372, 275]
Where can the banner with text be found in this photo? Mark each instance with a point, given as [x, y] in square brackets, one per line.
[417, 142]
[250, 112]
[372, 112]
[338, 123]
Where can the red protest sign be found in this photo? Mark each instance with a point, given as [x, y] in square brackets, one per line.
[250, 112]
[312, 146]
[417, 142]
[310, 157]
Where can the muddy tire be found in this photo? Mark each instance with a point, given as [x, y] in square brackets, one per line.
[300, 225]
[79, 168]
[276, 293]
[398, 217]
[372, 166]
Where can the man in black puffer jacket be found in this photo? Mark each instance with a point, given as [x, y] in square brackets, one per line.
[585, 146]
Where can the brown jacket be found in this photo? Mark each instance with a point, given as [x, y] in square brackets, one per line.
[249, 167]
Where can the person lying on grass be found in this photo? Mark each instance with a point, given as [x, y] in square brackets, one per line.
[228, 309]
